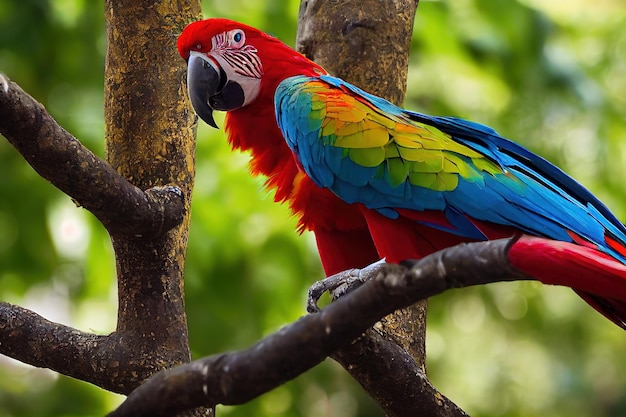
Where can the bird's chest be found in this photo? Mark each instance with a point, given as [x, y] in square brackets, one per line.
[319, 208]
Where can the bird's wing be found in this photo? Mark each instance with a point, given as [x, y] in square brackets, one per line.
[368, 151]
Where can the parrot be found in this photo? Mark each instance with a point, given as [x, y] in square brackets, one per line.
[375, 181]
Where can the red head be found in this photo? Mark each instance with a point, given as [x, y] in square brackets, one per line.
[230, 65]
[236, 68]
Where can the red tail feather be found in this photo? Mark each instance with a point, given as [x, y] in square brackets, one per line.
[598, 278]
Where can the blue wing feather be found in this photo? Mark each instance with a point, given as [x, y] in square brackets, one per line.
[531, 194]
[485, 140]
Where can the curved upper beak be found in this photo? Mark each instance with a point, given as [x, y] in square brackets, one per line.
[204, 80]
[210, 87]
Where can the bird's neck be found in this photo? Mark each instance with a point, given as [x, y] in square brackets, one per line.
[254, 128]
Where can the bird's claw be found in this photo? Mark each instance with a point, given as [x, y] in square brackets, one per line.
[340, 284]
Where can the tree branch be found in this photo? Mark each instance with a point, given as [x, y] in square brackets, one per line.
[124, 209]
[102, 360]
[30, 338]
[393, 379]
[237, 377]
[60, 158]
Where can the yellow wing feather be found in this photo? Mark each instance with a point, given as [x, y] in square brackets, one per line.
[423, 154]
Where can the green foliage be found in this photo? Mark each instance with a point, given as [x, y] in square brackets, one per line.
[547, 74]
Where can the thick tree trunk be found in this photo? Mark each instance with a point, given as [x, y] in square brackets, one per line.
[150, 135]
[150, 140]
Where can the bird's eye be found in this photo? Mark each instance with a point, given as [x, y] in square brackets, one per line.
[238, 38]
[199, 46]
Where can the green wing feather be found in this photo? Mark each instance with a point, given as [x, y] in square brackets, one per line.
[405, 150]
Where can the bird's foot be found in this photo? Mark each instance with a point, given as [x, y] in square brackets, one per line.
[340, 284]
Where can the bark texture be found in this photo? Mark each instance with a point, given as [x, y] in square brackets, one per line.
[150, 140]
[363, 42]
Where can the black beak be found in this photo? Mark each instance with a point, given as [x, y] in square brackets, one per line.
[210, 89]
[203, 81]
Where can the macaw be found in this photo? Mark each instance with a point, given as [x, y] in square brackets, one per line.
[373, 180]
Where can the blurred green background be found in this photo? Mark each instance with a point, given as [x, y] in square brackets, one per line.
[549, 74]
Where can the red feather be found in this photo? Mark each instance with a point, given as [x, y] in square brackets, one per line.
[406, 238]
[596, 277]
